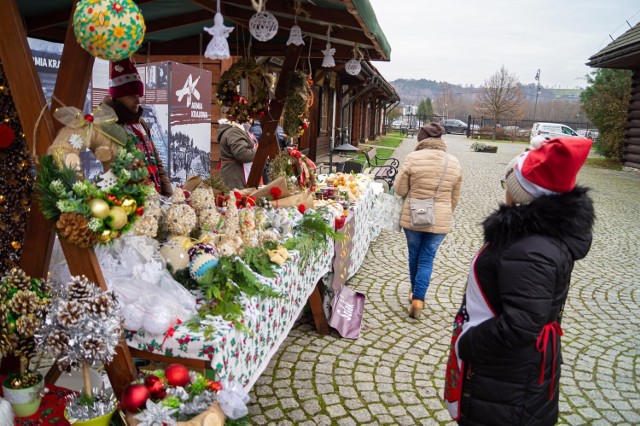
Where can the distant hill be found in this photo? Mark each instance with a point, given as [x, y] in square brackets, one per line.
[412, 91]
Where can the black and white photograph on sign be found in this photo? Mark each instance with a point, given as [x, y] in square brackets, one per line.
[157, 118]
[162, 79]
[190, 145]
[150, 77]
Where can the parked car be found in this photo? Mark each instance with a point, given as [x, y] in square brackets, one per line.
[552, 130]
[399, 124]
[454, 126]
[589, 133]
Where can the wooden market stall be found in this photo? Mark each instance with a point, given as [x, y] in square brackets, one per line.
[175, 27]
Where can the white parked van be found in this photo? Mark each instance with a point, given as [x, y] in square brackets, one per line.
[551, 130]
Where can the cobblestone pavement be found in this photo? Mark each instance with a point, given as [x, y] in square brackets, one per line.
[393, 374]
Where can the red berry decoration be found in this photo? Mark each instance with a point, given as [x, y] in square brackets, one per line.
[305, 125]
[176, 374]
[89, 118]
[155, 386]
[7, 136]
[135, 397]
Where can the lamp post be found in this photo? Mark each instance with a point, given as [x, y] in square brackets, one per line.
[535, 107]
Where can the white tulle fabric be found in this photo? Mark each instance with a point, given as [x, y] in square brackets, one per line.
[151, 300]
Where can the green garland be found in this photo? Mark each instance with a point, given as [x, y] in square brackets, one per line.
[296, 105]
[60, 191]
[240, 108]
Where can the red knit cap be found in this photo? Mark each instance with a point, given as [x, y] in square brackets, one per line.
[553, 168]
[124, 79]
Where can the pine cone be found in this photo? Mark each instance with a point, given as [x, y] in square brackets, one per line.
[93, 348]
[17, 278]
[79, 288]
[8, 342]
[58, 341]
[3, 315]
[26, 325]
[101, 306]
[25, 348]
[73, 228]
[70, 313]
[24, 302]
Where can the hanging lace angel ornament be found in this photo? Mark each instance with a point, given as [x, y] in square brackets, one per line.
[328, 61]
[218, 47]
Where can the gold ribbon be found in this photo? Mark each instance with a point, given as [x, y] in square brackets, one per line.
[102, 115]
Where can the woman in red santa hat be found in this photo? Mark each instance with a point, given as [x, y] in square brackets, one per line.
[125, 90]
[504, 365]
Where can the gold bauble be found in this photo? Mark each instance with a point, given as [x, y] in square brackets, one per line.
[118, 217]
[129, 204]
[105, 237]
[99, 208]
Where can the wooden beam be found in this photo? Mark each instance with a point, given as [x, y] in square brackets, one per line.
[57, 17]
[319, 317]
[29, 100]
[178, 21]
[268, 142]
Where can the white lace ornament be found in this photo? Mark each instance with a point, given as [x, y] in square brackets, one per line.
[263, 26]
[328, 52]
[107, 180]
[295, 36]
[218, 47]
[353, 66]
[76, 141]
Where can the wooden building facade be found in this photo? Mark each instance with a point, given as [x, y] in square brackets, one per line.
[624, 53]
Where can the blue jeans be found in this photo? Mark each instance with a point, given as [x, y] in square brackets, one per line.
[423, 247]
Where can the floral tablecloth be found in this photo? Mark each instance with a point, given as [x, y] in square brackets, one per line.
[241, 356]
[237, 355]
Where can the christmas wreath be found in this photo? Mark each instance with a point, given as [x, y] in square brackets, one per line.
[85, 212]
[296, 105]
[291, 163]
[240, 108]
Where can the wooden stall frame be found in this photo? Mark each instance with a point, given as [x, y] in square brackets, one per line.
[71, 85]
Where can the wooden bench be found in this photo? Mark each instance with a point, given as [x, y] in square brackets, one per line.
[410, 132]
[382, 168]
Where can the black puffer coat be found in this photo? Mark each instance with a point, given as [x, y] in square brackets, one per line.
[524, 273]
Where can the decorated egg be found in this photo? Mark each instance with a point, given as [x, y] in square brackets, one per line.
[175, 255]
[199, 248]
[107, 29]
[201, 264]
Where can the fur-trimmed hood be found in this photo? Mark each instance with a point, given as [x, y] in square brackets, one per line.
[432, 143]
[567, 217]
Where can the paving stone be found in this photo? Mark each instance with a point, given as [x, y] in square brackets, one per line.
[398, 363]
[274, 414]
[311, 406]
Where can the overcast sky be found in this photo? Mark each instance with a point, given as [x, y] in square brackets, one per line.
[465, 41]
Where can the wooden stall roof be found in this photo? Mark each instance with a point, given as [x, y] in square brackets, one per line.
[621, 53]
[174, 27]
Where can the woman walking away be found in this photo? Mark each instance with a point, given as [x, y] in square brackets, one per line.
[428, 172]
[504, 365]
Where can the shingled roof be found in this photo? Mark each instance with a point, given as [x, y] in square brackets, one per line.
[622, 53]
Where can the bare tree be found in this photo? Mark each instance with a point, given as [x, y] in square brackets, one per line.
[501, 96]
[445, 102]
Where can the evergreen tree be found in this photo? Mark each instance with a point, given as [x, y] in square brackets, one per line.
[605, 102]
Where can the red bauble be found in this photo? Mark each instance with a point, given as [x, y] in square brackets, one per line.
[7, 136]
[155, 386]
[305, 125]
[235, 98]
[88, 118]
[135, 397]
[176, 374]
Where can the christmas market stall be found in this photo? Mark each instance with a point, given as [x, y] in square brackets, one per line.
[211, 278]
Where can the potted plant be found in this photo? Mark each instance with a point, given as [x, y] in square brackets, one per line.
[82, 329]
[23, 303]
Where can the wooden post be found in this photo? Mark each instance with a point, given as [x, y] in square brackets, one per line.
[319, 317]
[269, 142]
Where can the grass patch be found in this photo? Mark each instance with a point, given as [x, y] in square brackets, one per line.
[604, 163]
[392, 140]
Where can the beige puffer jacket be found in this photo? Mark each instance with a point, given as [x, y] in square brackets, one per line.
[418, 178]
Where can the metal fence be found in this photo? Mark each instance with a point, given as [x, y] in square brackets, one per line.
[512, 129]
